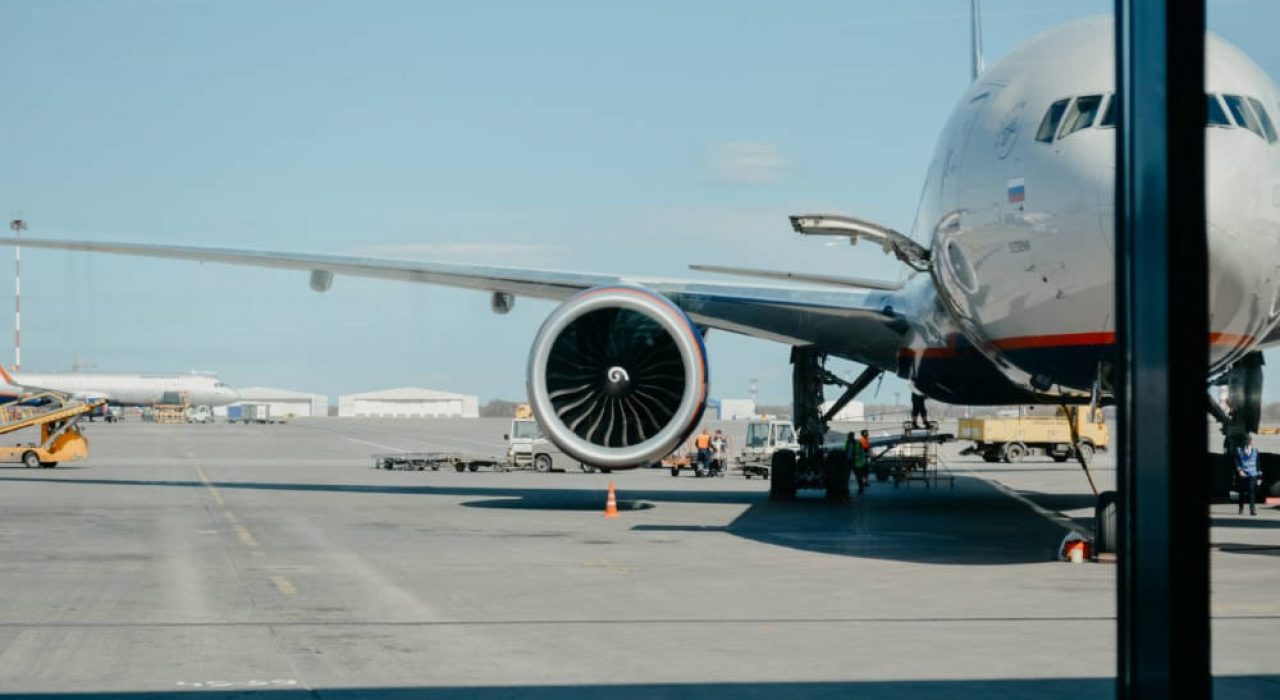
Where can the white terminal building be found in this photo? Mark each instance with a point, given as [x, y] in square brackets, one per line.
[731, 409]
[853, 412]
[284, 403]
[409, 402]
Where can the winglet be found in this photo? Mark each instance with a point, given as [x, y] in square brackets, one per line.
[7, 378]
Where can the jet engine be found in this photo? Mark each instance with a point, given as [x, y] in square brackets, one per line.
[618, 376]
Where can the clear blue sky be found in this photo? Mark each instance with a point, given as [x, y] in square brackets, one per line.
[578, 135]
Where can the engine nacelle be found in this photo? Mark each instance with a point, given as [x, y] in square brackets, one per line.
[618, 377]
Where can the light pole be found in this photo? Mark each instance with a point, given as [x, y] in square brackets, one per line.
[18, 226]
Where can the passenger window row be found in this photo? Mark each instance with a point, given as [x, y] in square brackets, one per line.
[1072, 114]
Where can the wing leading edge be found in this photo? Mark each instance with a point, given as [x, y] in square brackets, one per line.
[860, 325]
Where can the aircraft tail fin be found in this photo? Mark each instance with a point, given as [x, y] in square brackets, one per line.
[7, 378]
[975, 38]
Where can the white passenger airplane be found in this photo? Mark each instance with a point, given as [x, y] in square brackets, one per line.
[195, 388]
[1010, 293]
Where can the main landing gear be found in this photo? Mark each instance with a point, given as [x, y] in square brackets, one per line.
[812, 467]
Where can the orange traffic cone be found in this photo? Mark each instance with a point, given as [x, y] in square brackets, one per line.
[611, 505]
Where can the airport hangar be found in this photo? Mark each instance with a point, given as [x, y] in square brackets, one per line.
[408, 402]
[283, 402]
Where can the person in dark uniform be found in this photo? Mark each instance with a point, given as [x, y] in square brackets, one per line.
[918, 409]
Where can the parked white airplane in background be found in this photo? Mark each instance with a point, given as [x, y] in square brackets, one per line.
[1010, 298]
[195, 389]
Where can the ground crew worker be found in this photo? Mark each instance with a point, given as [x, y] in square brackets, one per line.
[918, 409]
[719, 445]
[703, 444]
[1248, 477]
[857, 456]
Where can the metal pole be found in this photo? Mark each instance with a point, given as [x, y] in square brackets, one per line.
[1162, 267]
[18, 226]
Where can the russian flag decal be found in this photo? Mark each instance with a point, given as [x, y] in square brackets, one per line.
[1017, 190]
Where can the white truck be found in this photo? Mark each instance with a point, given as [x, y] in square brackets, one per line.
[529, 448]
[199, 414]
[763, 439]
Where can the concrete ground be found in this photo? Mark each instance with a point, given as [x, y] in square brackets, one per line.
[274, 560]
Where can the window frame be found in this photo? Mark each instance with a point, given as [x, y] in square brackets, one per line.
[1073, 112]
[1255, 127]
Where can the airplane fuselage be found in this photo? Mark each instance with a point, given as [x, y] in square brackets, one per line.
[1018, 210]
[134, 389]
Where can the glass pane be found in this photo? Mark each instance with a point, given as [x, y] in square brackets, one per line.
[1049, 125]
[1263, 118]
[1109, 116]
[1217, 115]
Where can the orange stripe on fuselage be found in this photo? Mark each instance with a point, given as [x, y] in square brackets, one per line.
[1066, 340]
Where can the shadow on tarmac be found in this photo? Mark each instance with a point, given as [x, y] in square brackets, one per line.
[1247, 522]
[970, 524]
[1254, 549]
[1230, 686]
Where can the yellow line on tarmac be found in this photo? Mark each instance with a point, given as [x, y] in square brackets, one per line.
[213, 490]
[231, 517]
[283, 585]
[245, 538]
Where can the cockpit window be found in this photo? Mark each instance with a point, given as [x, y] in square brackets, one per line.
[1242, 114]
[1109, 116]
[1083, 111]
[1217, 115]
[1263, 118]
[1049, 126]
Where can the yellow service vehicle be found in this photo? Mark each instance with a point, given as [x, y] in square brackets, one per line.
[1011, 439]
[60, 440]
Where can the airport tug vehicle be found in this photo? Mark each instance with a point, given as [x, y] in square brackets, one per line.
[56, 415]
[764, 438]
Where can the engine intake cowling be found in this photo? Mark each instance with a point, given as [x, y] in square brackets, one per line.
[618, 376]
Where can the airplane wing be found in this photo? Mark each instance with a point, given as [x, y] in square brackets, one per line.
[861, 325]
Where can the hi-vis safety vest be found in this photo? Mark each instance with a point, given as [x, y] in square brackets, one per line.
[703, 442]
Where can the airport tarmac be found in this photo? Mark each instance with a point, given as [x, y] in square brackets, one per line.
[229, 559]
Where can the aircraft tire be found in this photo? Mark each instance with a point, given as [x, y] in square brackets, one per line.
[782, 487]
[1106, 534]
